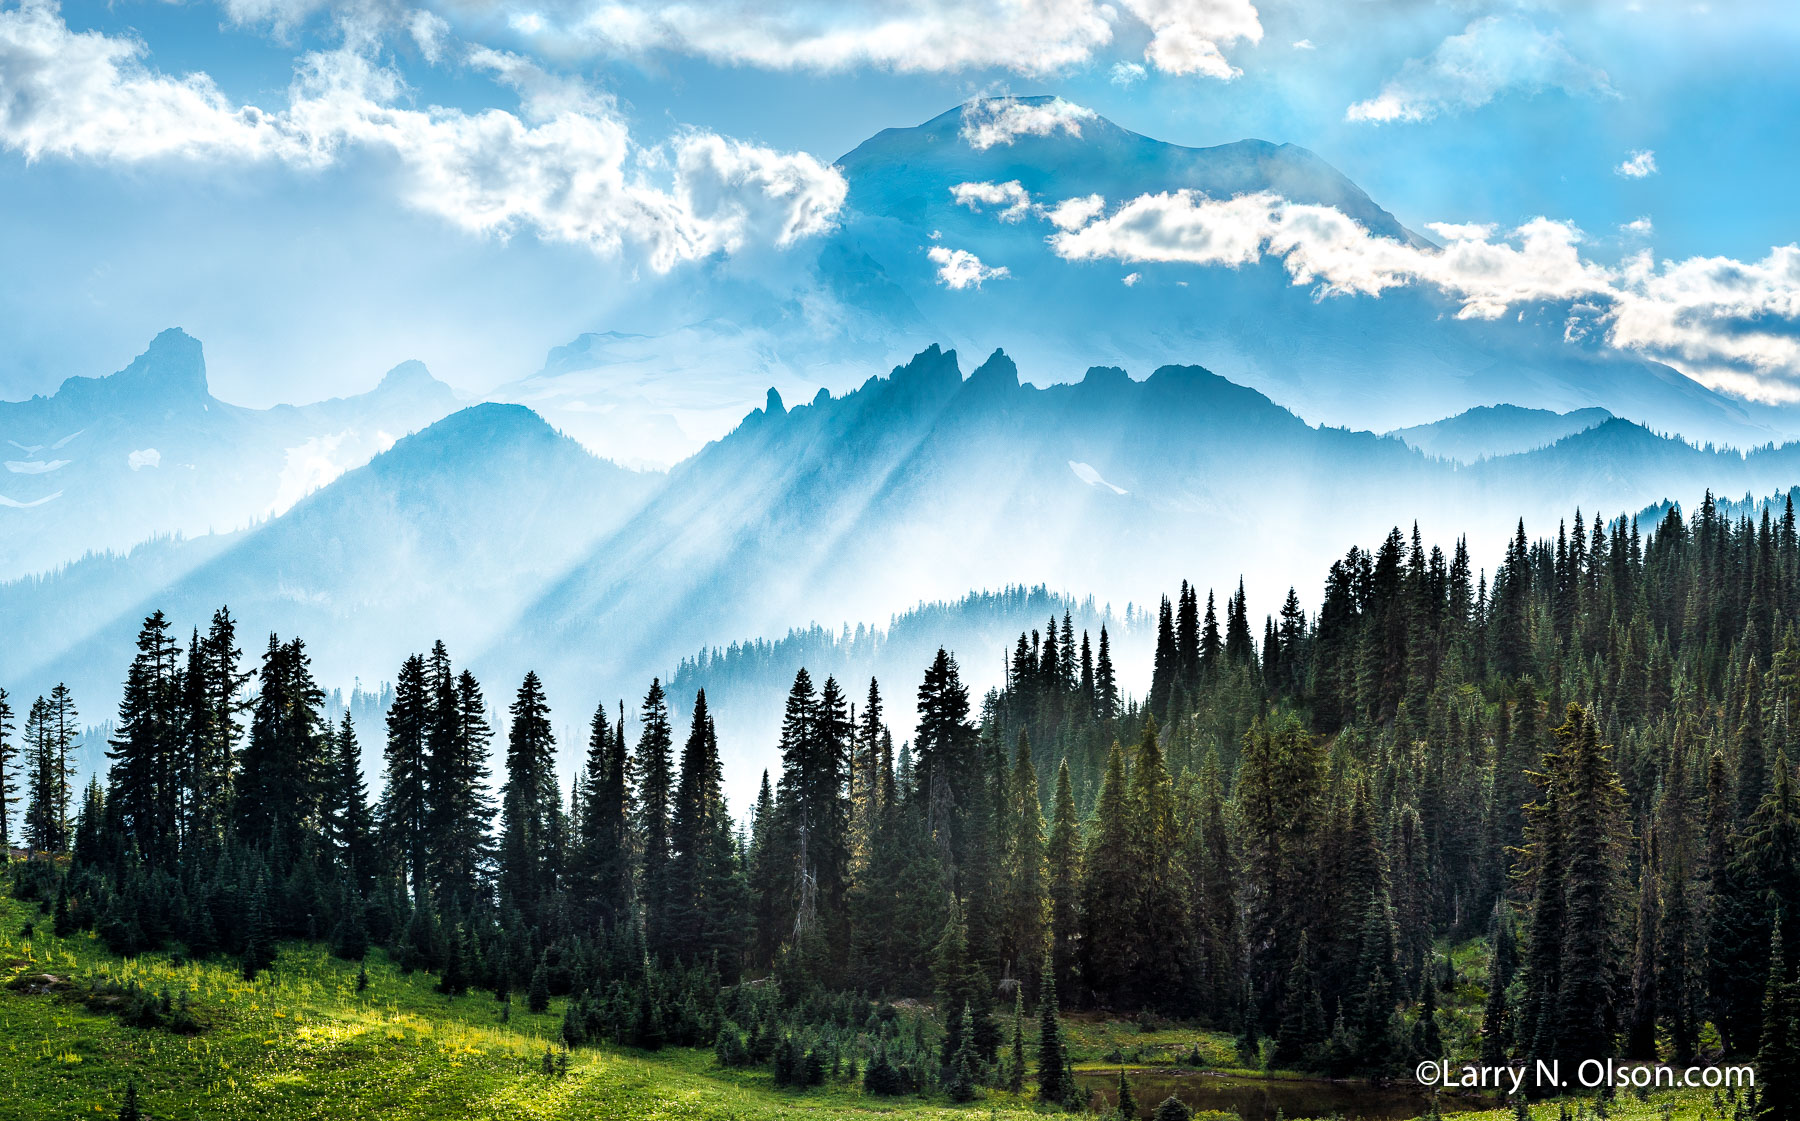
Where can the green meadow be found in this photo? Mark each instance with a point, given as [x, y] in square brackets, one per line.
[302, 1042]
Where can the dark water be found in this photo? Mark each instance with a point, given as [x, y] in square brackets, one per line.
[1258, 1099]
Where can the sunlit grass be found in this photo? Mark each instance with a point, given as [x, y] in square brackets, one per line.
[301, 1043]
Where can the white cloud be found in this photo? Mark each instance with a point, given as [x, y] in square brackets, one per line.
[959, 268]
[1128, 73]
[1304, 45]
[1012, 199]
[1189, 36]
[1639, 164]
[429, 32]
[1130, 279]
[1002, 120]
[1639, 227]
[919, 36]
[567, 170]
[1070, 213]
[87, 95]
[142, 458]
[1730, 324]
[1494, 55]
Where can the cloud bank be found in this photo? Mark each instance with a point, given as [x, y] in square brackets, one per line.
[1730, 324]
[922, 36]
[565, 167]
[1494, 55]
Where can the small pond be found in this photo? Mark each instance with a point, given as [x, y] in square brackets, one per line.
[1259, 1099]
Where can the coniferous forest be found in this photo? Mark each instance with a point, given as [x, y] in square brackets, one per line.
[1583, 764]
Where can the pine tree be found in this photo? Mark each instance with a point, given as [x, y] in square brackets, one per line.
[282, 771]
[1015, 1066]
[1642, 1015]
[214, 703]
[1056, 1083]
[1027, 902]
[603, 871]
[1592, 804]
[699, 870]
[259, 938]
[1779, 1052]
[1063, 868]
[349, 824]
[1238, 648]
[1496, 1022]
[1126, 1108]
[1167, 671]
[146, 746]
[654, 768]
[530, 803]
[406, 800]
[458, 808]
[1109, 885]
[1106, 686]
[9, 775]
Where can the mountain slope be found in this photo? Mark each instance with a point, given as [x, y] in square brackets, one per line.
[105, 463]
[1492, 430]
[446, 535]
[812, 315]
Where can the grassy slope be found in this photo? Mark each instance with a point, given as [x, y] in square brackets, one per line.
[302, 1043]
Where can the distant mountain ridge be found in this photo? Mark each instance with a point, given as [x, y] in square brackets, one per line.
[108, 462]
[524, 551]
[444, 535]
[683, 352]
[1491, 430]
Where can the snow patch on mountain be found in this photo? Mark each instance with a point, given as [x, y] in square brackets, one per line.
[1092, 478]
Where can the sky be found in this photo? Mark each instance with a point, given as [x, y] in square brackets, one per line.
[320, 190]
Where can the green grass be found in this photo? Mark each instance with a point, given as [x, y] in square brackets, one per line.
[302, 1043]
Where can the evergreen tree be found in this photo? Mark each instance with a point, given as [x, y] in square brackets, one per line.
[146, 747]
[282, 771]
[349, 824]
[458, 811]
[1056, 1082]
[1063, 868]
[406, 799]
[9, 774]
[530, 803]
[654, 768]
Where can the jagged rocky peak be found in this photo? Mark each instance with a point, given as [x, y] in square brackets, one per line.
[172, 368]
[998, 372]
[410, 374]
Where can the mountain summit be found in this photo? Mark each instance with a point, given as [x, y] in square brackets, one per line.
[947, 235]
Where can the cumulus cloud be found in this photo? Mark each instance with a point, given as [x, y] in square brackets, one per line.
[1730, 324]
[1304, 45]
[1190, 36]
[429, 32]
[565, 167]
[1639, 227]
[1071, 213]
[1639, 164]
[1011, 200]
[1002, 120]
[959, 268]
[1127, 73]
[1494, 55]
[936, 36]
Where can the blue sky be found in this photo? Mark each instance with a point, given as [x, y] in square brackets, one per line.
[161, 164]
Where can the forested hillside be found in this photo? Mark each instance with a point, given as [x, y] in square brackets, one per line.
[1585, 760]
